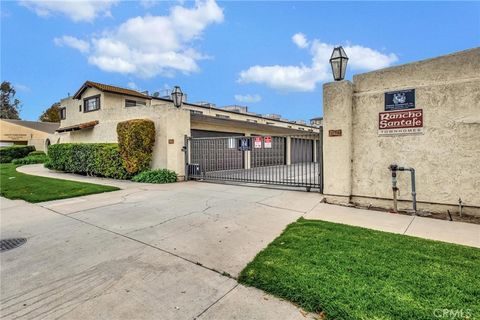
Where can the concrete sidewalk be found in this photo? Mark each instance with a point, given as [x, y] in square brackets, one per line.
[448, 231]
[40, 170]
[300, 202]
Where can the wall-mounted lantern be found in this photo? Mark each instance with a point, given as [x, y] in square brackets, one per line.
[177, 96]
[338, 61]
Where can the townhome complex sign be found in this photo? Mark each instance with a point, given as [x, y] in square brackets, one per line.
[400, 122]
[438, 98]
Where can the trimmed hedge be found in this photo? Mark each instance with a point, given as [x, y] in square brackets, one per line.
[93, 159]
[136, 139]
[31, 159]
[37, 153]
[156, 176]
[14, 152]
[6, 159]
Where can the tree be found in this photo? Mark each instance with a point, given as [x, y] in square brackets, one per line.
[10, 107]
[52, 114]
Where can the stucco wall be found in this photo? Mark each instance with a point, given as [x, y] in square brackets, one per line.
[446, 156]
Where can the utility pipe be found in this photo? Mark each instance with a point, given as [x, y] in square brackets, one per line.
[394, 168]
[460, 207]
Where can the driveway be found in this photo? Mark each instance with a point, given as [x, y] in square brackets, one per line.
[145, 252]
[165, 251]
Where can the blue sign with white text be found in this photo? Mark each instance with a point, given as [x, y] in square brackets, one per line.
[244, 144]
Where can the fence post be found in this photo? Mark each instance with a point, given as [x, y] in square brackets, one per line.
[288, 151]
[247, 159]
[186, 149]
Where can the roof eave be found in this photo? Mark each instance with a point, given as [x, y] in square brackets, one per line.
[89, 84]
[79, 92]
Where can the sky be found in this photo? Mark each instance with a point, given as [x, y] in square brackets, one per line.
[270, 56]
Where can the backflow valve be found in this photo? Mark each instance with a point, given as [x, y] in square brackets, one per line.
[394, 168]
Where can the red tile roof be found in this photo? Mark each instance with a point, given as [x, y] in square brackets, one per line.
[79, 126]
[109, 88]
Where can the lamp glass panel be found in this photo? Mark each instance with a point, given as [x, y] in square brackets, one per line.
[344, 67]
[177, 98]
[336, 68]
[335, 53]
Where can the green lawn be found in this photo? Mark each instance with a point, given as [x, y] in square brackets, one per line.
[354, 273]
[16, 185]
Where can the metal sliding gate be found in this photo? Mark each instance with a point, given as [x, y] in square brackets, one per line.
[292, 160]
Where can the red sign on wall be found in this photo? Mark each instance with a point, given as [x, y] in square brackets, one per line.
[257, 142]
[267, 142]
[400, 122]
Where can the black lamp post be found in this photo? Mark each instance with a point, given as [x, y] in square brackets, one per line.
[338, 61]
[177, 96]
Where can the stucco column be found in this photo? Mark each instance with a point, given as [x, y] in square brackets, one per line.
[247, 159]
[337, 145]
[247, 156]
[171, 127]
[288, 155]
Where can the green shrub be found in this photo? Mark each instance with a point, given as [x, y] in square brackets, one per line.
[31, 159]
[48, 164]
[156, 176]
[5, 159]
[136, 139]
[14, 152]
[37, 153]
[109, 162]
[93, 159]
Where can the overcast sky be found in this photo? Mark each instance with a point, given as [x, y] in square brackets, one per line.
[271, 56]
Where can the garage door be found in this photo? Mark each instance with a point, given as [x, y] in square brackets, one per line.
[214, 151]
[273, 156]
[301, 150]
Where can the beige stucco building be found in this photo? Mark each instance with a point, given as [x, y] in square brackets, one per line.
[92, 115]
[19, 132]
[423, 115]
[444, 150]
